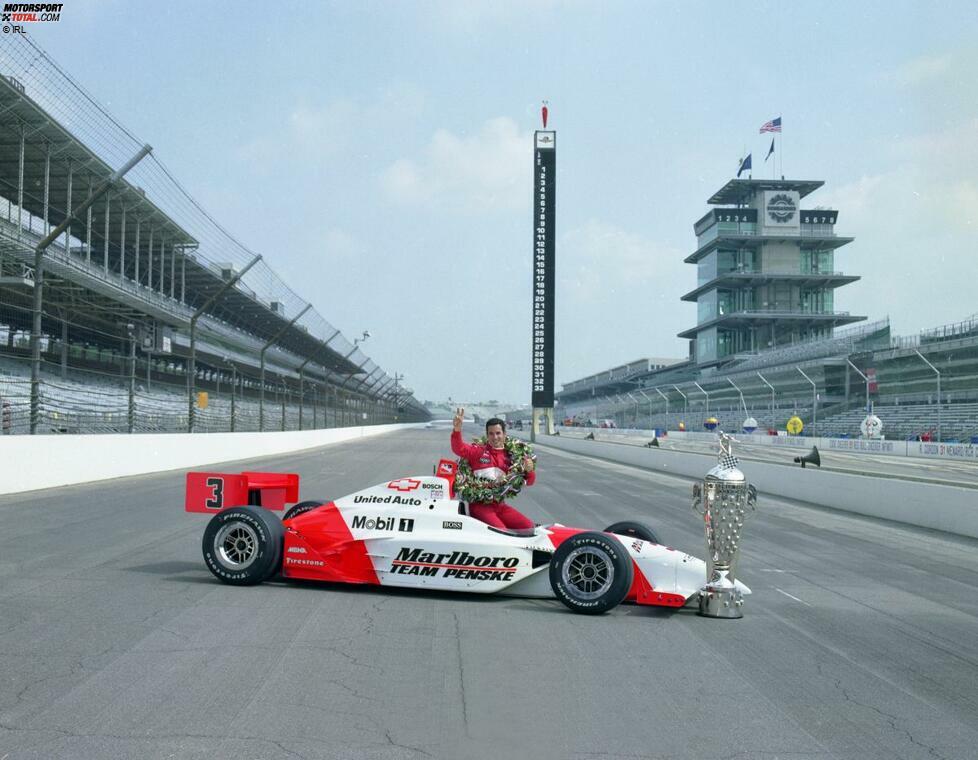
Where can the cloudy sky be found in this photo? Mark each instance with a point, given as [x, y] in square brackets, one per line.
[379, 155]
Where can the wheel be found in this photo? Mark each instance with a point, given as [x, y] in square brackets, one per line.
[634, 530]
[301, 508]
[591, 573]
[243, 545]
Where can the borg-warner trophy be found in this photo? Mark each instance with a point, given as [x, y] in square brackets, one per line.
[724, 499]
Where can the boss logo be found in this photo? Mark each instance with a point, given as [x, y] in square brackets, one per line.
[451, 525]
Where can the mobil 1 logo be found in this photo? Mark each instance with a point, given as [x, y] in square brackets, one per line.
[403, 524]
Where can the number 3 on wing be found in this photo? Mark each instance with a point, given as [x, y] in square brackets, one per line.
[217, 496]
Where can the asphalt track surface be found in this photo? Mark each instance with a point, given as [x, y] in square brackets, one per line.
[115, 642]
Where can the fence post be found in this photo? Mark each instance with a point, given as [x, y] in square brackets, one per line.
[234, 382]
[132, 377]
[302, 395]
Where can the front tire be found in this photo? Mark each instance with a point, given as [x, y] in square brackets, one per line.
[591, 573]
[634, 530]
[242, 546]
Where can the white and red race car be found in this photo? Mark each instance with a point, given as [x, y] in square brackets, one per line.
[414, 533]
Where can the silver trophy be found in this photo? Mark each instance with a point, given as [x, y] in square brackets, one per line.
[724, 500]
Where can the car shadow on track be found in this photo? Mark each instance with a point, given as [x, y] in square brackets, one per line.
[178, 574]
[165, 568]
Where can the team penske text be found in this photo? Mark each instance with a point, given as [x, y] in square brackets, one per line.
[461, 565]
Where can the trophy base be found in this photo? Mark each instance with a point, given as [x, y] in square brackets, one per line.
[721, 603]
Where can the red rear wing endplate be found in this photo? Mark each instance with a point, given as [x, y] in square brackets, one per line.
[214, 491]
[447, 469]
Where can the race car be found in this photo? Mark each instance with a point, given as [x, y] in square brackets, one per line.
[413, 532]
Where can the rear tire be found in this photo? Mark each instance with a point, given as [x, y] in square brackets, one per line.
[242, 546]
[634, 530]
[591, 573]
[301, 508]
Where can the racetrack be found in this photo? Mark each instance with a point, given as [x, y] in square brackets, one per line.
[115, 642]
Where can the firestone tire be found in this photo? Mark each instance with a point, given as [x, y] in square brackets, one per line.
[591, 573]
[634, 530]
[301, 508]
[242, 546]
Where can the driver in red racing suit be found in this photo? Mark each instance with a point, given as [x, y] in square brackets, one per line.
[491, 461]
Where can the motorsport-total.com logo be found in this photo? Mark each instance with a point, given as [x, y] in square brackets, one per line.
[16, 14]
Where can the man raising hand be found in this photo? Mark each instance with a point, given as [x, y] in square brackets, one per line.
[491, 461]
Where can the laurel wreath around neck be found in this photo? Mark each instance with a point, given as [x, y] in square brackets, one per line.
[470, 487]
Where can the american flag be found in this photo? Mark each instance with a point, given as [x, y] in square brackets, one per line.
[772, 126]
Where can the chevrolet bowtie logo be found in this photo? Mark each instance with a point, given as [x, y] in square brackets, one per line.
[404, 484]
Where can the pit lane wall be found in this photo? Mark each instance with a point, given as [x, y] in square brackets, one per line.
[945, 508]
[916, 449]
[47, 461]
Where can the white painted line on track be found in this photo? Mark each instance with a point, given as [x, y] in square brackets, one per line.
[792, 597]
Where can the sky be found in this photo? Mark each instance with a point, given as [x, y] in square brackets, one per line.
[379, 156]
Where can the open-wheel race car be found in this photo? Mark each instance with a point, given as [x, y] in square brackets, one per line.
[413, 532]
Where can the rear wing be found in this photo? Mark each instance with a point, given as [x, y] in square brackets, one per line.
[447, 469]
[214, 491]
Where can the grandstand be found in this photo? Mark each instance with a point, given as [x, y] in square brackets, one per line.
[772, 386]
[152, 316]
[921, 386]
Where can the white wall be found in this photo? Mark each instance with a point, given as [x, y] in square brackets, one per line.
[946, 508]
[46, 461]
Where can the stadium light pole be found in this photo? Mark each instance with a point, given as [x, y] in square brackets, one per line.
[685, 402]
[859, 372]
[302, 369]
[742, 402]
[772, 394]
[261, 355]
[814, 398]
[357, 389]
[637, 402]
[131, 332]
[938, 373]
[382, 390]
[397, 387]
[651, 426]
[667, 405]
[707, 397]
[192, 362]
[234, 382]
[620, 402]
[42, 246]
[358, 366]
